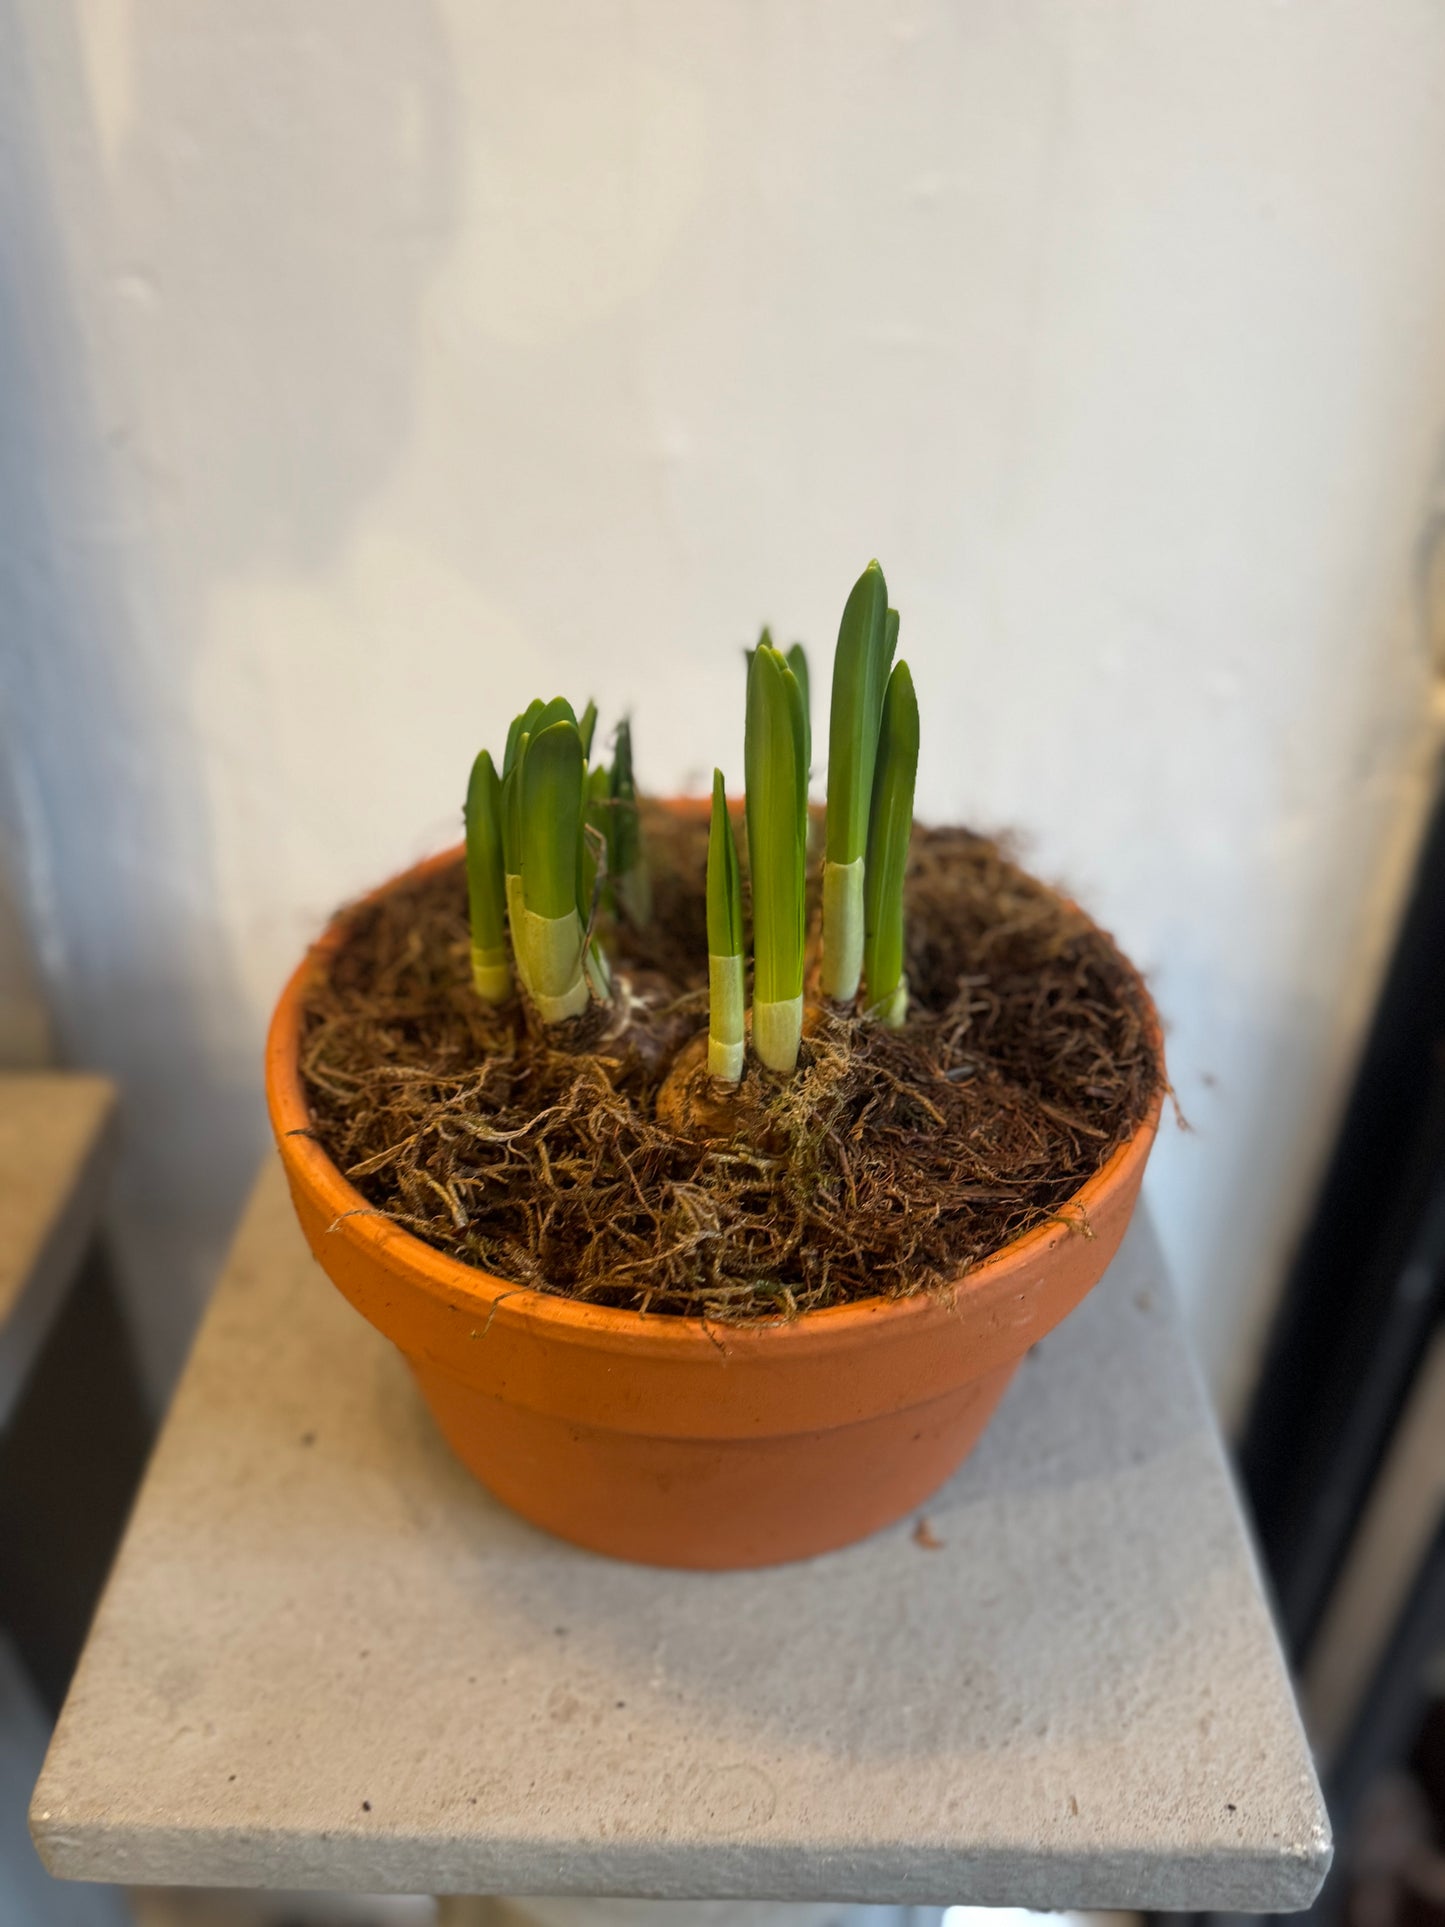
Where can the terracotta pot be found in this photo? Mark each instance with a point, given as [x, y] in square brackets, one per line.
[660, 1440]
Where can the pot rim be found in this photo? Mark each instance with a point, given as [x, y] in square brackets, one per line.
[461, 1284]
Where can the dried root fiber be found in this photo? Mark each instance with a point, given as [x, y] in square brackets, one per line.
[890, 1163]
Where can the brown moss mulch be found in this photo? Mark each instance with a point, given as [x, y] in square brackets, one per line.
[888, 1164]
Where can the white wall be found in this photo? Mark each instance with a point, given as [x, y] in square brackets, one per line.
[367, 367]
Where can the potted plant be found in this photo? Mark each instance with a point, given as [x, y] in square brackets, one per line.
[698, 1264]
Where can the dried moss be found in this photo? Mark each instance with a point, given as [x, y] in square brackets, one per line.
[887, 1165]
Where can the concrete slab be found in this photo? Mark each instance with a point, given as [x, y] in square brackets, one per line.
[28, 1896]
[327, 1659]
[55, 1145]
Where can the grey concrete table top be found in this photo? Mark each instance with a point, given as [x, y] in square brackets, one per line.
[326, 1658]
[55, 1145]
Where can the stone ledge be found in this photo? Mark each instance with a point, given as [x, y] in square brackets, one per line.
[327, 1659]
[55, 1155]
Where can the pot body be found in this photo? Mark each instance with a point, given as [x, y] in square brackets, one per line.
[676, 1443]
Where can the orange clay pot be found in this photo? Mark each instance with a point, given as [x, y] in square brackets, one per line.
[660, 1440]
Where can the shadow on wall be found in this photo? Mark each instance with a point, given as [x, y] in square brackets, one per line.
[291, 355]
[300, 378]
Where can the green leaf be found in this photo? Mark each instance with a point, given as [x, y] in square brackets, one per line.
[624, 787]
[798, 710]
[797, 661]
[626, 856]
[486, 882]
[521, 726]
[595, 815]
[598, 791]
[551, 774]
[724, 879]
[532, 721]
[860, 670]
[889, 830]
[587, 727]
[777, 819]
[536, 717]
[867, 636]
[512, 807]
[483, 820]
[726, 985]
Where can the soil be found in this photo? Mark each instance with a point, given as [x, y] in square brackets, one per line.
[889, 1163]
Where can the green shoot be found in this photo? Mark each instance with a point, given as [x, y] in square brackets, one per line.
[486, 892]
[517, 740]
[533, 719]
[866, 640]
[627, 858]
[539, 832]
[546, 928]
[517, 735]
[777, 810]
[551, 815]
[596, 816]
[559, 710]
[796, 657]
[797, 660]
[889, 828]
[519, 727]
[595, 809]
[724, 942]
